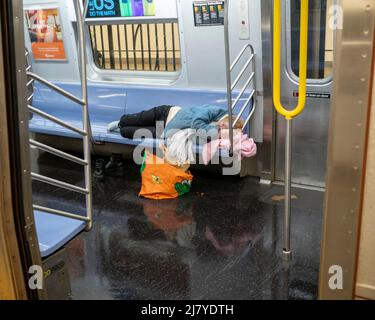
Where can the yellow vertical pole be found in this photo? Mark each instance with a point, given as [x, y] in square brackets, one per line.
[289, 115]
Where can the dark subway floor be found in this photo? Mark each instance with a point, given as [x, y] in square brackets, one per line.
[221, 241]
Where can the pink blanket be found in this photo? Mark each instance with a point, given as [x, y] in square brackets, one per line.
[243, 146]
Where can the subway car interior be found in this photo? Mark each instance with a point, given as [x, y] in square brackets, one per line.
[271, 208]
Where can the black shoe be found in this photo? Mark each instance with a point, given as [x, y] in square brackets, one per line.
[115, 167]
[99, 169]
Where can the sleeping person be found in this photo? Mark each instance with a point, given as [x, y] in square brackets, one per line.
[207, 119]
[183, 128]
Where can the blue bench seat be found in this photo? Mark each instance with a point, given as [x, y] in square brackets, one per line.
[54, 232]
[107, 103]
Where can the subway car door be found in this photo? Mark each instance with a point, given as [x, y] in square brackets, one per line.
[310, 130]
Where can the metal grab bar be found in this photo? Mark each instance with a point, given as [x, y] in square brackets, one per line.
[244, 108]
[57, 120]
[58, 183]
[61, 213]
[243, 70]
[251, 112]
[85, 112]
[242, 92]
[55, 88]
[57, 152]
[250, 80]
[241, 54]
[228, 72]
[85, 132]
[231, 86]
[289, 114]
[30, 82]
[30, 97]
[247, 84]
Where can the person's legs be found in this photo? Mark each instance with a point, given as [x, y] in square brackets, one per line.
[162, 112]
[146, 118]
[130, 123]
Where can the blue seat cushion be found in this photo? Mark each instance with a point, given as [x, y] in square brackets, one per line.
[54, 231]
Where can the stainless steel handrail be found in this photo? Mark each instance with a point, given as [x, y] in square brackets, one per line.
[57, 152]
[61, 213]
[58, 183]
[85, 132]
[231, 86]
[248, 82]
[56, 120]
[30, 82]
[85, 114]
[251, 112]
[55, 88]
[240, 55]
[30, 97]
[244, 107]
[228, 73]
[243, 70]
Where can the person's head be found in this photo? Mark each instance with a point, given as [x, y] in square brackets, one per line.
[224, 122]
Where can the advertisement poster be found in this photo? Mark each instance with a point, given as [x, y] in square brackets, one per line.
[120, 8]
[45, 34]
[208, 13]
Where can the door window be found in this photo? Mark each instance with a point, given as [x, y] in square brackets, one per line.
[320, 39]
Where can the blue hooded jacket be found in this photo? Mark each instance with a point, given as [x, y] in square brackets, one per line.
[197, 118]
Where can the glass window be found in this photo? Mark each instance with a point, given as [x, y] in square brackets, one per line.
[137, 47]
[321, 38]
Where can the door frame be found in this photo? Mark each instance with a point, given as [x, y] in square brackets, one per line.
[349, 128]
[23, 245]
[12, 284]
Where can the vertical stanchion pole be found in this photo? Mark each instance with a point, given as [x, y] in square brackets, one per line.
[289, 115]
[287, 254]
[85, 110]
[228, 74]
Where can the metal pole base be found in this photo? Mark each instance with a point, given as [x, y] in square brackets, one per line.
[287, 255]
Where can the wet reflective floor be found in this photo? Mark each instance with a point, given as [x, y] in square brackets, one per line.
[222, 241]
